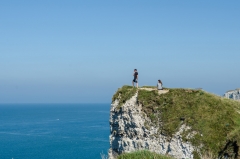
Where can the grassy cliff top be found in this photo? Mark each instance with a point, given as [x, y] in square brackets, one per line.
[215, 121]
[123, 94]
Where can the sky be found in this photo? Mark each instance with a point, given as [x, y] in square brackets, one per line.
[75, 51]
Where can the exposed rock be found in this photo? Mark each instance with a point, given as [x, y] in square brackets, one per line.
[130, 131]
[233, 94]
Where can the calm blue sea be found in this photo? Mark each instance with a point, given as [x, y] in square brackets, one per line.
[54, 131]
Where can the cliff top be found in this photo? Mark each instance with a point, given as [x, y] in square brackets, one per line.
[214, 121]
[237, 89]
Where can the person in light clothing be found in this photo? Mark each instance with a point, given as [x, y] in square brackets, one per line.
[159, 85]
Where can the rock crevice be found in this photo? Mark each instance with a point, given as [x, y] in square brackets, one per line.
[129, 132]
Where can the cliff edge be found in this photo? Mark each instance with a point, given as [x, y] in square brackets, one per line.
[233, 94]
[182, 123]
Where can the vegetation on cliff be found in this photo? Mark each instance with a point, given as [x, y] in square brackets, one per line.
[144, 154]
[123, 94]
[213, 121]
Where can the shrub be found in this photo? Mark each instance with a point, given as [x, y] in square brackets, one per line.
[143, 154]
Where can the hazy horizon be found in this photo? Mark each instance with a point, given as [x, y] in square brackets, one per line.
[82, 51]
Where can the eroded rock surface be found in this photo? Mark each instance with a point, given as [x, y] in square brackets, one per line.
[233, 94]
[129, 132]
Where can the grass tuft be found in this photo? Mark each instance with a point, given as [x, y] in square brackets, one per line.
[123, 94]
[143, 154]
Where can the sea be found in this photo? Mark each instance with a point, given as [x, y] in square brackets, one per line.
[54, 131]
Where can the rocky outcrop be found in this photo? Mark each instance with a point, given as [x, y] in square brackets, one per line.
[130, 132]
[233, 94]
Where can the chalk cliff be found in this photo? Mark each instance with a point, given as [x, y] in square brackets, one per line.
[233, 94]
[128, 133]
[137, 125]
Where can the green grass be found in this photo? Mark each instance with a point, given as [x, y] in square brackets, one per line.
[149, 86]
[144, 154]
[154, 87]
[123, 94]
[214, 118]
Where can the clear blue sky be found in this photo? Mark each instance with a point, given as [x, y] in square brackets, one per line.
[76, 51]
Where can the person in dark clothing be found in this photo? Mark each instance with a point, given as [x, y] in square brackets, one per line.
[135, 79]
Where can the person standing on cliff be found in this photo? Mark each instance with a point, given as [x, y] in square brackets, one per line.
[135, 79]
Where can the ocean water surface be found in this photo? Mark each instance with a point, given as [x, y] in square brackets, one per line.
[54, 131]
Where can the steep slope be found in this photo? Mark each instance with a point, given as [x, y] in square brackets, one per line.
[183, 123]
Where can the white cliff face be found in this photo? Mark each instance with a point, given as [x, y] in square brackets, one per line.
[234, 94]
[129, 133]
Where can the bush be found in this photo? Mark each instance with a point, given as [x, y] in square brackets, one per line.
[144, 154]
